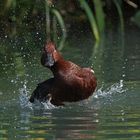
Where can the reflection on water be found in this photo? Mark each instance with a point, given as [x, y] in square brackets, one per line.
[106, 115]
[111, 113]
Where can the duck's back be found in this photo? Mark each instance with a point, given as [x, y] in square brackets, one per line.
[76, 83]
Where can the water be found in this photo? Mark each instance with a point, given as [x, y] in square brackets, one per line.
[109, 114]
[112, 113]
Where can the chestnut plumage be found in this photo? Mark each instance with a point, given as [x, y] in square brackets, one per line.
[70, 83]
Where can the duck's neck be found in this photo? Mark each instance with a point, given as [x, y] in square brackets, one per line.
[60, 65]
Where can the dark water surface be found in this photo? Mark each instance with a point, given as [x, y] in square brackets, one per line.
[112, 113]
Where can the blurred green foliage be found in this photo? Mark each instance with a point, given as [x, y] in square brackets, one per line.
[136, 18]
[17, 16]
[25, 25]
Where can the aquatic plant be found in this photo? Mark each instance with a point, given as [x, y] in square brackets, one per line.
[62, 26]
[100, 15]
[95, 12]
[57, 18]
[48, 26]
[117, 4]
[91, 18]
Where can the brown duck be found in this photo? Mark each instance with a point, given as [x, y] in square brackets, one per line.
[70, 83]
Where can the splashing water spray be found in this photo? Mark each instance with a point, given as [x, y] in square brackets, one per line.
[25, 103]
[105, 95]
[115, 88]
[101, 93]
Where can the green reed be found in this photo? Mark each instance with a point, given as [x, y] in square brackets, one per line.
[48, 24]
[95, 16]
[91, 18]
[100, 16]
[10, 3]
[120, 13]
[62, 26]
[57, 18]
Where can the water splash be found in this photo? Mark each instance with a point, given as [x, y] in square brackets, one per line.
[105, 95]
[25, 103]
[24, 96]
[111, 90]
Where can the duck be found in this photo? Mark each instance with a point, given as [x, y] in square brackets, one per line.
[70, 82]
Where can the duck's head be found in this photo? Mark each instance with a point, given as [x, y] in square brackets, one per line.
[50, 55]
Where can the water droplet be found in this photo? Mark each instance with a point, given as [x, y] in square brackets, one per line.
[126, 59]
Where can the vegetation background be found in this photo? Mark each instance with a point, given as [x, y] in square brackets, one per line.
[25, 25]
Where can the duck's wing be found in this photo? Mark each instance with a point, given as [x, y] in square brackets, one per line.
[42, 90]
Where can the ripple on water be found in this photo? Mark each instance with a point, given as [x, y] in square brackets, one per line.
[89, 119]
